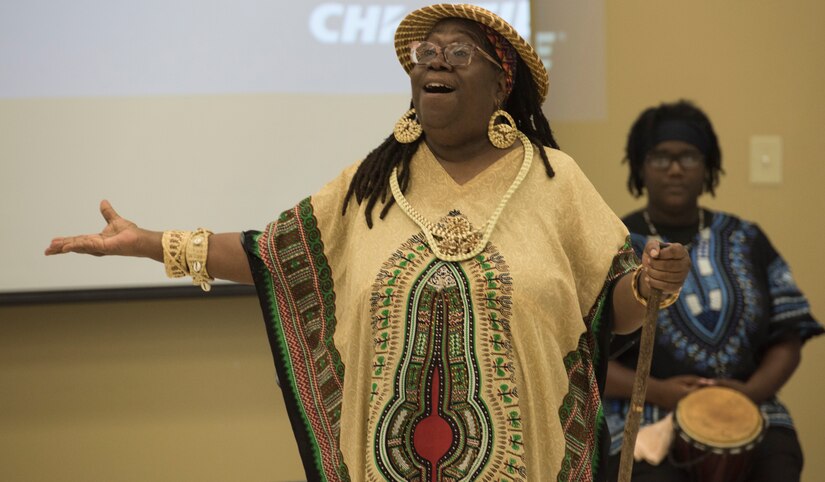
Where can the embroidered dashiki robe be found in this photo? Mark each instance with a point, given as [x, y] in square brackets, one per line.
[738, 299]
[395, 365]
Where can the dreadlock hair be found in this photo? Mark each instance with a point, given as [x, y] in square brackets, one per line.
[644, 129]
[371, 179]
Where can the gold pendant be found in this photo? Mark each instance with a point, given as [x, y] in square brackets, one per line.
[455, 236]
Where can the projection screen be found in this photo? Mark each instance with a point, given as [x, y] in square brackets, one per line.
[218, 114]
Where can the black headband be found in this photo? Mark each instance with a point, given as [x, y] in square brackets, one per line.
[678, 130]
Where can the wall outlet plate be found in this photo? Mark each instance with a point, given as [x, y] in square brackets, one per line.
[766, 160]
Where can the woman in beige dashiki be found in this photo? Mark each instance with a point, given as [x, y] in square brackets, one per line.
[462, 334]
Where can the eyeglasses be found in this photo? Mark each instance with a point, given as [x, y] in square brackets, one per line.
[456, 54]
[662, 161]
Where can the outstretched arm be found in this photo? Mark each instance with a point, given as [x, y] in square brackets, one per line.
[226, 258]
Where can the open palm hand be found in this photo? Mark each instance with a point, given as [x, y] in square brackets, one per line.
[119, 237]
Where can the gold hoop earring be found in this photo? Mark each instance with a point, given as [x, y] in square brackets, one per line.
[502, 135]
[407, 129]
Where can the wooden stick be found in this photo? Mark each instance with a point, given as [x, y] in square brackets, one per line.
[637, 400]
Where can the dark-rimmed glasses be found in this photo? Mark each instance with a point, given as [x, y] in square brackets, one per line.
[661, 160]
[456, 54]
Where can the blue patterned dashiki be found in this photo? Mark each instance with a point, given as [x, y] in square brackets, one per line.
[738, 299]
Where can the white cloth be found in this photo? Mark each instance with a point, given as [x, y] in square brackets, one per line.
[653, 441]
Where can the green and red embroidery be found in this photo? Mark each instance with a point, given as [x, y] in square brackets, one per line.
[581, 411]
[444, 403]
[300, 310]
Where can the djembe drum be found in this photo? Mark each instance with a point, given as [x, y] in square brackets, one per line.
[717, 429]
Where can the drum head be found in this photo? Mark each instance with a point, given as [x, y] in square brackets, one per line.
[719, 417]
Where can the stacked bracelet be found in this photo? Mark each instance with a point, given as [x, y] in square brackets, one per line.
[174, 251]
[184, 254]
[196, 252]
[635, 288]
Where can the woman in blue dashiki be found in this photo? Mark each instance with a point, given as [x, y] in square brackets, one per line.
[740, 321]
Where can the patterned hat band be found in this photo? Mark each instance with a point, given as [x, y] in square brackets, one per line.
[506, 54]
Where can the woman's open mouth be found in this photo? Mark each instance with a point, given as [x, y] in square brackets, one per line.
[438, 88]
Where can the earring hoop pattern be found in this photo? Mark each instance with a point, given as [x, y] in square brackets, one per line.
[502, 135]
[407, 129]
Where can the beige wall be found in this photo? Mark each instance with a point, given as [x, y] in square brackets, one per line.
[156, 391]
[183, 390]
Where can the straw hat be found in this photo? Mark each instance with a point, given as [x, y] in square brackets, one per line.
[419, 23]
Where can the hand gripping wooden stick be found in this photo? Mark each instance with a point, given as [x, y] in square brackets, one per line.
[637, 399]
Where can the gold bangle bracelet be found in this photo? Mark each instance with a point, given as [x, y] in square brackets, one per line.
[635, 288]
[174, 253]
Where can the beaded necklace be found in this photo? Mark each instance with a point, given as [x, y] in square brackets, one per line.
[655, 233]
[453, 237]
